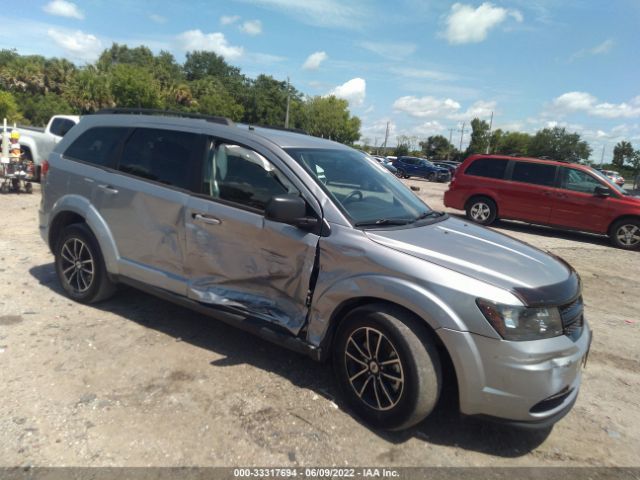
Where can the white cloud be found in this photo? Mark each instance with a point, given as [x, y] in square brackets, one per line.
[600, 49]
[375, 131]
[426, 107]
[353, 91]
[321, 13]
[480, 109]
[62, 8]
[197, 40]
[576, 102]
[229, 19]
[390, 50]
[158, 18]
[429, 128]
[80, 45]
[314, 60]
[466, 24]
[251, 27]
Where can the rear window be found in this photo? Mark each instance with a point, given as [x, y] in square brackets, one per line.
[487, 167]
[536, 173]
[96, 145]
[60, 126]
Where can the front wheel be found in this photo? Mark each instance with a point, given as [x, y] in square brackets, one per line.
[625, 234]
[431, 177]
[482, 210]
[387, 366]
[80, 266]
[400, 173]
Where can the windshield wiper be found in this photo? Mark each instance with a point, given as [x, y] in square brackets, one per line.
[429, 214]
[383, 221]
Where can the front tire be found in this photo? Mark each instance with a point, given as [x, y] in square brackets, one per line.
[482, 210]
[625, 234]
[387, 366]
[431, 177]
[80, 265]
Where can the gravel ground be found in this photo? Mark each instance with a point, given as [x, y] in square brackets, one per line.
[136, 381]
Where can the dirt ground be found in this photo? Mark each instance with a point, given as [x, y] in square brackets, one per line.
[137, 381]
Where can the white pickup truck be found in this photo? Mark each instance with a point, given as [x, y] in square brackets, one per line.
[37, 143]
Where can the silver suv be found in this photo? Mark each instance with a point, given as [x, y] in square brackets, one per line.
[311, 245]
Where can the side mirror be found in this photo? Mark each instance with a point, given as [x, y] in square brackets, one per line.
[291, 209]
[601, 191]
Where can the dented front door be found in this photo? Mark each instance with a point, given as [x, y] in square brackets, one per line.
[238, 259]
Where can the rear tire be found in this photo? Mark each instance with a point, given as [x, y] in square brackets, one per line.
[625, 234]
[387, 366]
[431, 177]
[80, 265]
[482, 210]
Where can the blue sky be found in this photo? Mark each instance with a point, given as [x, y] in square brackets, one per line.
[423, 66]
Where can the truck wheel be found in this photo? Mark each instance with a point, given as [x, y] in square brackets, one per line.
[80, 266]
[625, 234]
[387, 366]
[482, 210]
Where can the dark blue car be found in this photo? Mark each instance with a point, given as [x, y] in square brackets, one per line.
[419, 167]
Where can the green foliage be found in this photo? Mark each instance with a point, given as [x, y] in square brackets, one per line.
[9, 108]
[437, 147]
[38, 109]
[132, 86]
[479, 136]
[623, 153]
[556, 143]
[89, 90]
[329, 117]
[214, 99]
[512, 143]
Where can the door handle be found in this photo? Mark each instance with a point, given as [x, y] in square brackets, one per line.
[209, 220]
[89, 180]
[108, 189]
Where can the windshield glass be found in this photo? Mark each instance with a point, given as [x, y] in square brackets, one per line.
[362, 188]
[610, 182]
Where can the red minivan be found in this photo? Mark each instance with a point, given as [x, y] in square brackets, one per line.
[545, 192]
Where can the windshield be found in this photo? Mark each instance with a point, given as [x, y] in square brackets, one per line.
[362, 189]
[610, 182]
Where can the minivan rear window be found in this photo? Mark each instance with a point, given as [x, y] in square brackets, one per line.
[487, 167]
[96, 145]
[536, 173]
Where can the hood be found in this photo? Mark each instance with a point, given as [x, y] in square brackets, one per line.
[534, 276]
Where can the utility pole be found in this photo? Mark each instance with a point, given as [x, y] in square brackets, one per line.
[462, 135]
[450, 144]
[490, 127]
[286, 118]
[386, 137]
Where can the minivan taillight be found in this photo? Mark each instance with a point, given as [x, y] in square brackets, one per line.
[44, 168]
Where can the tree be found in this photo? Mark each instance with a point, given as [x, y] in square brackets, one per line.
[403, 144]
[212, 98]
[622, 153]
[121, 54]
[329, 117]
[437, 147]
[37, 110]
[133, 86]
[89, 90]
[556, 143]
[479, 136]
[516, 143]
[9, 108]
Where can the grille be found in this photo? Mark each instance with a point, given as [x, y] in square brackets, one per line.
[572, 318]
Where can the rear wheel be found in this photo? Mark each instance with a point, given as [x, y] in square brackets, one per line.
[625, 234]
[482, 210]
[80, 266]
[387, 366]
[431, 177]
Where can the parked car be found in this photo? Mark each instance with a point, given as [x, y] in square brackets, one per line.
[386, 164]
[37, 143]
[545, 192]
[614, 176]
[234, 222]
[449, 167]
[419, 167]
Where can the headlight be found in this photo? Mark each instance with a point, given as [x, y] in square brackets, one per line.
[521, 323]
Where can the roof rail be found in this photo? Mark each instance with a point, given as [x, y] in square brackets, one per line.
[269, 127]
[168, 113]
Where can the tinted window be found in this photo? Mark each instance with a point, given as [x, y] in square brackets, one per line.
[578, 181]
[487, 167]
[237, 174]
[164, 156]
[60, 126]
[536, 173]
[96, 145]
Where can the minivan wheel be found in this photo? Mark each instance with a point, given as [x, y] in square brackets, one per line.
[387, 366]
[481, 210]
[625, 234]
[80, 266]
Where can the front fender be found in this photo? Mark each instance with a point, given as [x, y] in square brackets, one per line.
[422, 302]
[81, 206]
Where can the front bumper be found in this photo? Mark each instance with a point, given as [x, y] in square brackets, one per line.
[531, 383]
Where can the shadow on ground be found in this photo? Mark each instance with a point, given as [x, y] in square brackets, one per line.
[444, 427]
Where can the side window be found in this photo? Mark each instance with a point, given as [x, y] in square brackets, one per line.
[240, 175]
[96, 145]
[60, 126]
[487, 167]
[536, 173]
[165, 156]
[577, 181]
